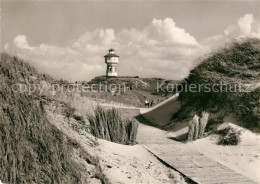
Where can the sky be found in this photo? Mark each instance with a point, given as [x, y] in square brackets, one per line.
[68, 39]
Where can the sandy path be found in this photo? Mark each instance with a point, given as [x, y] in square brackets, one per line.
[186, 159]
[121, 164]
[243, 158]
[161, 114]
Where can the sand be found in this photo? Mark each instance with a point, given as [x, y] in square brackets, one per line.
[243, 158]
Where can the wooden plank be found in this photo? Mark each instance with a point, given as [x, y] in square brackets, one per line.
[229, 181]
[209, 180]
[218, 176]
[195, 165]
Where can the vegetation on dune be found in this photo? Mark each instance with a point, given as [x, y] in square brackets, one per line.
[237, 63]
[31, 149]
[132, 90]
[111, 125]
[229, 136]
[144, 84]
[126, 98]
[197, 126]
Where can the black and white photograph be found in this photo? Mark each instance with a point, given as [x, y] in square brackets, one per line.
[130, 91]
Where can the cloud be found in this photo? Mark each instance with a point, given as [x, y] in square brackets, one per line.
[160, 49]
[59, 62]
[21, 42]
[167, 32]
[246, 26]
[95, 40]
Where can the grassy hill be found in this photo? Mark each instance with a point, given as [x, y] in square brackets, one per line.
[32, 150]
[136, 89]
[144, 84]
[236, 63]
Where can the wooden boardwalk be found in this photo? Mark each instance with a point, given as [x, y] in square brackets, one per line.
[183, 157]
[187, 160]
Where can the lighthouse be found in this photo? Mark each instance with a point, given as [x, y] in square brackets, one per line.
[111, 59]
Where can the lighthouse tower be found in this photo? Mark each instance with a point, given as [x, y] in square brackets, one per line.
[111, 59]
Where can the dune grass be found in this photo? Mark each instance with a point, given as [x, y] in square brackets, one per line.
[236, 63]
[197, 126]
[110, 125]
[32, 150]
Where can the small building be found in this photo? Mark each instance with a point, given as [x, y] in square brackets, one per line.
[111, 59]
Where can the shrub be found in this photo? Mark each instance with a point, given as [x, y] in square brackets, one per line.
[193, 126]
[197, 126]
[229, 136]
[191, 130]
[237, 63]
[203, 123]
[112, 126]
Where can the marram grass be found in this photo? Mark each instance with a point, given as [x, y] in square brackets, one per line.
[110, 125]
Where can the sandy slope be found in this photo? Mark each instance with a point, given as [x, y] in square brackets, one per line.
[243, 158]
[161, 114]
[120, 163]
[133, 165]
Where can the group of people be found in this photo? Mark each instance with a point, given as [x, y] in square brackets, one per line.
[148, 103]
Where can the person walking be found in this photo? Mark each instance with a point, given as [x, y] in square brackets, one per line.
[146, 103]
[151, 103]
